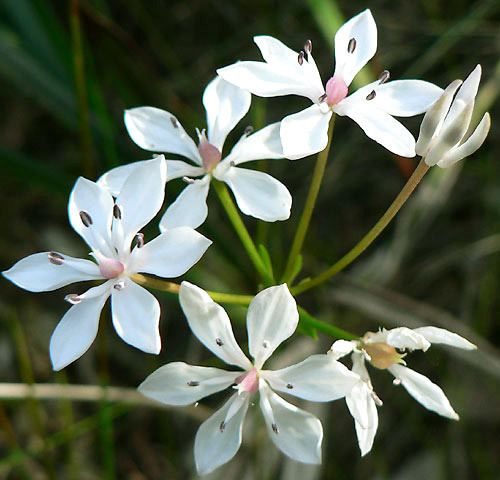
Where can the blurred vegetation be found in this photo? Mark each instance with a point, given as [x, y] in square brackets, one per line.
[68, 69]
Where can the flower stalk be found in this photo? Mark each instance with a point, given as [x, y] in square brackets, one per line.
[371, 236]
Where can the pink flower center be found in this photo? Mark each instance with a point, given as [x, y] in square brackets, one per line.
[210, 154]
[248, 382]
[336, 90]
[110, 268]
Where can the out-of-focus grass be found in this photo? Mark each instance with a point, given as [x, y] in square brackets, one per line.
[439, 262]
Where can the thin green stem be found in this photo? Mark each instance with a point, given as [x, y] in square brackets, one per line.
[305, 219]
[241, 230]
[369, 238]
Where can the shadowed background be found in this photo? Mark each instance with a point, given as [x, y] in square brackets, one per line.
[68, 69]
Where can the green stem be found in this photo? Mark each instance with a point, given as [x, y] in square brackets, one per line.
[306, 319]
[241, 230]
[368, 239]
[300, 234]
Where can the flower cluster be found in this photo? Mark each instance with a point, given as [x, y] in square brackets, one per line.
[109, 215]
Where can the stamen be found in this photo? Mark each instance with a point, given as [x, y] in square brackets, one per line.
[222, 426]
[139, 240]
[248, 130]
[275, 428]
[265, 344]
[73, 298]
[117, 213]
[232, 163]
[351, 46]
[308, 46]
[384, 76]
[188, 180]
[119, 286]
[300, 58]
[174, 121]
[289, 386]
[371, 95]
[219, 342]
[86, 218]
[193, 383]
[322, 98]
[396, 381]
[55, 258]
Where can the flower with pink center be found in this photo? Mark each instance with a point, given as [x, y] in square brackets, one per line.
[110, 228]
[257, 194]
[271, 319]
[286, 72]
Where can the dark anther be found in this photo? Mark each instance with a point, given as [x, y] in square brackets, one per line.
[289, 385]
[265, 344]
[73, 298]
[275, 428]
[119, 286]
[139, 240]
[248, 130]
[222, 426]
[322, 98]
[351, 46]
[371, 95]
[86, 218]
[174, 121]
[384, 76]
[193, 383]
[300, 58]
[55, 258]
[232, 163]
[117, 213]
[308, 46]
[219, 342]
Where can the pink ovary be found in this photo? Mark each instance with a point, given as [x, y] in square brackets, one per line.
[248, 382]
[336, 90]
[110, 268]
[210, 154]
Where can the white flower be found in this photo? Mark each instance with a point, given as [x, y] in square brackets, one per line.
[372, 107]
[109, 228]
[381, 350]
[441, 140]
[272, 318]
[257, 193]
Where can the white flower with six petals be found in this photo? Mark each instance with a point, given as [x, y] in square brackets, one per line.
[380, 349]
[257, 193]
[372, 107]
[272, 318]
[109, 227]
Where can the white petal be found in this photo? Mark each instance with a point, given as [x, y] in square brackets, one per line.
[403, 338]
[136, 315]
[424, 391]
[178, 383]
[341, 348]
[114, 180]
[214, 446]
[465, 95]
[364, 410]
[258, 194]
[159, 131]
[37, 274]
[263, 144]
[272, 317]
[305, 132]
[470, 145]
[434, 118]
[97, 203]
[78, 328]
[210, 323]
[171, 254]
[141, 197]
[299, 433]
[405, 98]
[363, 29]
[444, 337]
[318, 378]
[379, 126]
[226, 105]
[190, 207]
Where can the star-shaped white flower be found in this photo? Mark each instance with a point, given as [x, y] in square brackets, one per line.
[445, 125]
[382, 350]
[272, 318]
[110, 227]
[257, 193]
[372, 107]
